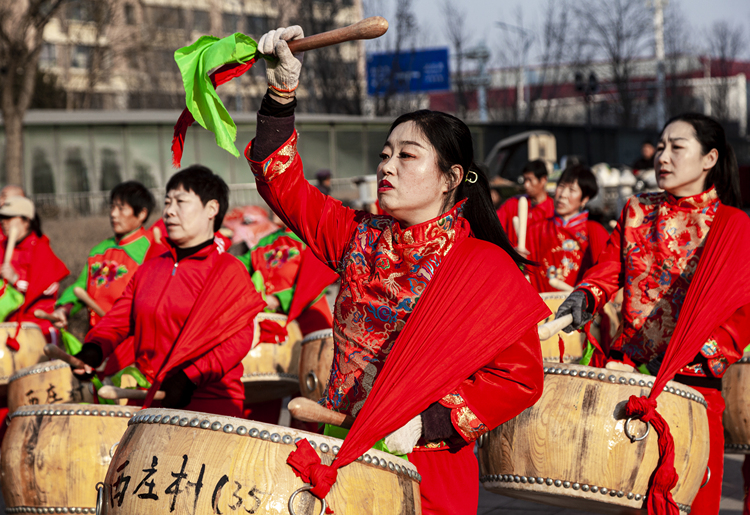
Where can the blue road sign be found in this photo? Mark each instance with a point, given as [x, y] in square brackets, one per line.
[408, 71]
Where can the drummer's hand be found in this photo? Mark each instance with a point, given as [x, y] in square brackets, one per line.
[282, 74]
[272, 303]
[575, 305]
[523, 252]
[402, 441]
[178, 390]
[61, 317]
[8, 273]
[91, 354]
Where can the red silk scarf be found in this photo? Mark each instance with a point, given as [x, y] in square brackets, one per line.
[720, 286]
[470, 309]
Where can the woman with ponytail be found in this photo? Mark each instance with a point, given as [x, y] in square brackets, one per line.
[437, 203]
[656, 250]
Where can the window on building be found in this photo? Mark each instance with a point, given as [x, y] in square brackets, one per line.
[130, 14]
[80, 56]
[164, 60]
[48, 57]
[166, 17]
[256, 26]
[80, 10]
[201, 21]
[229, 22]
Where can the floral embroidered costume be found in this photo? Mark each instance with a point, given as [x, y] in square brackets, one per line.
[537, 213]
[564, 250]
[384, 269]
[653, 254]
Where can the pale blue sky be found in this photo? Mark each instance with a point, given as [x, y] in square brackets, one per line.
[481, 15]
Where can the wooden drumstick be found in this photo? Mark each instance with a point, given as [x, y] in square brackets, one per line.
[12, 239]
[560, 285]
[523, 218]
[516, 225]
[550, 329]
[114, 393]
[55, 352]
[369, 28]
[310, 411]
[43, 315]
[84, 297]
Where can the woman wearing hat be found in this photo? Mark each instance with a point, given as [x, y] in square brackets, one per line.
[33, 271]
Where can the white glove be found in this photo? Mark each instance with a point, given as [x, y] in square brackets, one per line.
[402, 441]
[282, 75]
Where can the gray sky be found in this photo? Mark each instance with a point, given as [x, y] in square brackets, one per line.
[481, 15]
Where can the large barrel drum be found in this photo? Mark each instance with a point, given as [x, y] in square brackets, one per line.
[188, 462]
[50, 382]
[272, 369]
[736, 391]
[571, 448]
[315, 363]
[31, 342]
[53, 456]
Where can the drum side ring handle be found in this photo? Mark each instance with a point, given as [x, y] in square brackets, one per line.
[100, 498]
[304, 488]
[633, 438]
[311, 378]
[708, 476]
[112, 449]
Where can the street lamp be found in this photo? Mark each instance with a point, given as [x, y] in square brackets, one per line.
[588, 88]
[481, 54]
[528, 39]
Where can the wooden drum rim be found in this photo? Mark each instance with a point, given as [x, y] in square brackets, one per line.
[317, 335]
[39, 368]
[24, 325]
[624, 378]
[68, 410]
[270, 375]
[269, 432]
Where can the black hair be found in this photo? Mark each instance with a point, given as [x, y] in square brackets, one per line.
[537, 167]
[206, 184]
[584, 177]
[134, 194]
[451, 139]
[35, 225]
[724, 176]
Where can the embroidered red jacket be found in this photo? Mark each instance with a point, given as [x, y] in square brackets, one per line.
[537, 213]
[653, 253]
[154, 309]
[384, 269]
[564, 250]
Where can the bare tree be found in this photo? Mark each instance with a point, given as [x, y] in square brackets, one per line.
[21, 25]
[678, 44]
[619, 31]
[460, 39]
[725, 43]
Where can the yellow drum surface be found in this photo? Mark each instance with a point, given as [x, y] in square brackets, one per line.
[315, 364]
[570, 449]
[50, 382]
[53, 456]
[31, 342]
[196, 463]
[736, 391]
[272, 369]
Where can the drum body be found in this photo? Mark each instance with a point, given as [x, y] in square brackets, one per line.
[574, 341]
[190, 462]
[31, 342]
[570, 449]
[736, 391]
[53, 456]
[315, 364]
[51, 382]
[272, 369]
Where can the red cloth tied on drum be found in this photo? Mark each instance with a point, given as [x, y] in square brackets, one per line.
[720, 286]
[221, 310]
[476, 277]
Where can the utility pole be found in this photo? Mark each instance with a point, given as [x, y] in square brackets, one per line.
[661, 108]
[524, 87]
[481, 54]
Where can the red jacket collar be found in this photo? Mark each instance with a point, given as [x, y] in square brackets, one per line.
[130, 238]
[201, 254]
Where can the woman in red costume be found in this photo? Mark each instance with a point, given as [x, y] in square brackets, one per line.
[654, 252]
[566, 244]
[434, 200]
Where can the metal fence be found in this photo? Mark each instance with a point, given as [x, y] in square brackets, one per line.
[96, 203]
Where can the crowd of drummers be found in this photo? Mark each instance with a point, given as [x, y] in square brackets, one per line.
[582, 325]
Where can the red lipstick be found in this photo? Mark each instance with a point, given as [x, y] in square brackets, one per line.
[384, 185]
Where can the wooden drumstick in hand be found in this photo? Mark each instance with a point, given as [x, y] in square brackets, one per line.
[12, 240]
[114, 393]
[369, 28]
[310, 411]
[84, 297]
[55, 352]
[523, 219]
[550, 329]
[560, 285]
